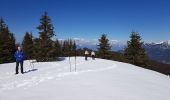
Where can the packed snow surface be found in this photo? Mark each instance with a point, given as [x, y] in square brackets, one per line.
[94, 80]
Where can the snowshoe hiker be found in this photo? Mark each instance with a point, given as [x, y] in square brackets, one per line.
[86, 54]
[93, 55]
[19, 56]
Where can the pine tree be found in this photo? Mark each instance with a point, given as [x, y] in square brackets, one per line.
[70, 49]
[57, 48]
[27, 44]
[74, 49]
[46, 32]
[104, 47]
[7, 43]
[36, 46]
[134, 51]
[12, 46]
[66, 48]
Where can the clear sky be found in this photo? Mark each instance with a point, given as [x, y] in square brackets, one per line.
[88, 19]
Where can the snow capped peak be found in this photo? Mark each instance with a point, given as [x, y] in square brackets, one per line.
[168, 42]
[156, 42]
[160, 42]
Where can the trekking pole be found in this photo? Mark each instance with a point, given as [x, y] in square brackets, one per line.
[30, 64]
[75, 62]
[70, 63]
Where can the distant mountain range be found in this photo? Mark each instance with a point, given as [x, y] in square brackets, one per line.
[157, 51]
[92, 44]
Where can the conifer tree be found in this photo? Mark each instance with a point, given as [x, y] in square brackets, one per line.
[134, 51]
[46, 32]
[36, 46]
[27, 44]
[7, 43]
[57, 48]
[74, 48]
[12, 46]
[104, 47]
[68, 47]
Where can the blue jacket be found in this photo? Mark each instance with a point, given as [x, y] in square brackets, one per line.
[19, 56]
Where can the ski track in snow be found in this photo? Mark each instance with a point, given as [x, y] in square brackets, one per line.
[94, 80]
[57, 72]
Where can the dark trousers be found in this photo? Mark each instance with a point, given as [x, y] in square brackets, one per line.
[85, 57]
[17, 66]
[93, 57]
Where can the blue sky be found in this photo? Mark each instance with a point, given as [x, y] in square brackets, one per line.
[88, 19]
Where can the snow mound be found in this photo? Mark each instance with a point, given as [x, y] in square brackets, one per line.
[94, 80]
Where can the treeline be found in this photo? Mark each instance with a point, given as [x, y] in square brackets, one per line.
[134, 54]
[42, 48]
[46, 48]
[35, 49]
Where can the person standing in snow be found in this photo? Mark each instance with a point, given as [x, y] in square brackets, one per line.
[93, 55]
[86, 54]
[19, 56]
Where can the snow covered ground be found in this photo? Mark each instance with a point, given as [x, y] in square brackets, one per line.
[94, 80]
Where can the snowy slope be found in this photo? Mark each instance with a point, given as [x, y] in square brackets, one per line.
[94, 80]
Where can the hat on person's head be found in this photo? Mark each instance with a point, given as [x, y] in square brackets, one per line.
[19, 47]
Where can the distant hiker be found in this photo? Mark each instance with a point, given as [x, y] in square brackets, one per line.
[86, 54]
[19, 56]
[93, 55]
